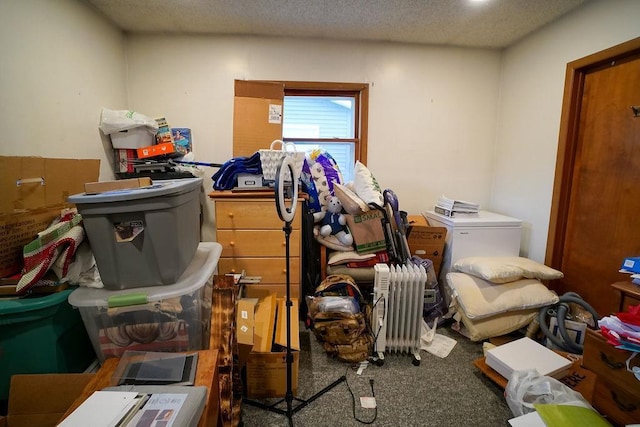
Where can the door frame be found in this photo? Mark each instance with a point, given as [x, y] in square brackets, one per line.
[568, 141]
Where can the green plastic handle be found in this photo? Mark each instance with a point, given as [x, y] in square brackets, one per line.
[127, 300]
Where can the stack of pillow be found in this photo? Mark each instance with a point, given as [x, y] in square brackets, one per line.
[493, 296]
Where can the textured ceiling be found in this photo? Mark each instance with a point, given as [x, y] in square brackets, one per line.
[486, 24]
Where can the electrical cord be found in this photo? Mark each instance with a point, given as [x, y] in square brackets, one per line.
[384, 314]
[353, 401]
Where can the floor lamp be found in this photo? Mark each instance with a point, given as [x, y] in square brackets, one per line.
[287, 214]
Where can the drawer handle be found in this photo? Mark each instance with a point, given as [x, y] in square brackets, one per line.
[627, 408]
[284, 270]
[609, 363]
[232, 243]
[233, 270]
[230, 214]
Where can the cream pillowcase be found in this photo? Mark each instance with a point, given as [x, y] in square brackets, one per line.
[506, 269]
[366, 186]
[480, 299]
[478, 330]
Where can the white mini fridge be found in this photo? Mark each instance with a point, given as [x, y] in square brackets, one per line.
[487, 234]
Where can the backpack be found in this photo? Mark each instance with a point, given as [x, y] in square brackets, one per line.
[346, 336]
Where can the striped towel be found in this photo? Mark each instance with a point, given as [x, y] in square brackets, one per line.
[59, 241]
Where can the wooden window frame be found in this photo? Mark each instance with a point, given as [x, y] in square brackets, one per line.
[360, 93]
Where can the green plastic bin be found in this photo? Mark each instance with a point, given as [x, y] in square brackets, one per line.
[41, 334]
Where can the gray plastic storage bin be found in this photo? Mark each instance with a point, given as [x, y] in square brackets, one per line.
[143, 236]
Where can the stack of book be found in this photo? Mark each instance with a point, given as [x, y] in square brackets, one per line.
[452, 207]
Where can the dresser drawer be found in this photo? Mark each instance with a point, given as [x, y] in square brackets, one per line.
[250, 214]
[279, 289]
[619, 406]
[608, 362]
[257, 243]
[272, 270]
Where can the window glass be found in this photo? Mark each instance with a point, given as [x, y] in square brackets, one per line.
[342, 152]
[309, 120]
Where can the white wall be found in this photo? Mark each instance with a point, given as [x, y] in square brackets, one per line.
[61, 63]
[474, 124]
[531, 88]
[432, 110]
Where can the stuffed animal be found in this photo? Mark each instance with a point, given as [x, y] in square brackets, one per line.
[333, 222]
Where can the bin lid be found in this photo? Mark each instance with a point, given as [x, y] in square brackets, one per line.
[170, 187]
[194, 277]
[483, 219]
[23, 305]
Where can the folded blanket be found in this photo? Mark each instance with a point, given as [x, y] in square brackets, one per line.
[56, 242]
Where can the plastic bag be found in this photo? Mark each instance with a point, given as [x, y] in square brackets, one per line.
[112, 121]
[527, 387]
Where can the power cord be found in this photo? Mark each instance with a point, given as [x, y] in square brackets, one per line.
[353, 401]
[384, 314]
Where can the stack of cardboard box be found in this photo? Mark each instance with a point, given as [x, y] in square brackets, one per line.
[261, 329]
[426, 241]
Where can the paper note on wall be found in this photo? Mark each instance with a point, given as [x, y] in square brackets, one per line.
[275, 113]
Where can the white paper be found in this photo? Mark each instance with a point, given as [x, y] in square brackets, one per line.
[101, 409]
[275, 114]
[532, 419]
[368, 402]
[440, 346]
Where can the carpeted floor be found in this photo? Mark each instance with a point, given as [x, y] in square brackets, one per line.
[438, 392]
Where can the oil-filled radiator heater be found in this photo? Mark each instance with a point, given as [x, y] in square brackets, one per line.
[399, 297]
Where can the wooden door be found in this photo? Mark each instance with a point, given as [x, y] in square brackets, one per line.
[595, 221]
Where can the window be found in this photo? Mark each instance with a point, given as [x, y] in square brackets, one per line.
[329, 116]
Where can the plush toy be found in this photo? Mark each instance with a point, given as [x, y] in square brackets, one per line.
[333, 222]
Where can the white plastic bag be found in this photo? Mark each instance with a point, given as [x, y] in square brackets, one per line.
[112, 121]
[527, 387]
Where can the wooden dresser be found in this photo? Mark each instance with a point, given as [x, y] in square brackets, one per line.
[252, 238]
[617, 391]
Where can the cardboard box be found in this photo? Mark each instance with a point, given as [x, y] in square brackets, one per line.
[367, 231]
[182, 140]
[257, 115]
[121, 184]
[267, 374]
[34, 191]
[281, 324]
[123, 160]
[164, 149]
[425, 241]
[265, 319]
[42, 399]
[264, 372]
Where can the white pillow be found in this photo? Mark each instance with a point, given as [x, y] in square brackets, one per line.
[478, 330]
[366, 186]
[480, 299]
[506, 269]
